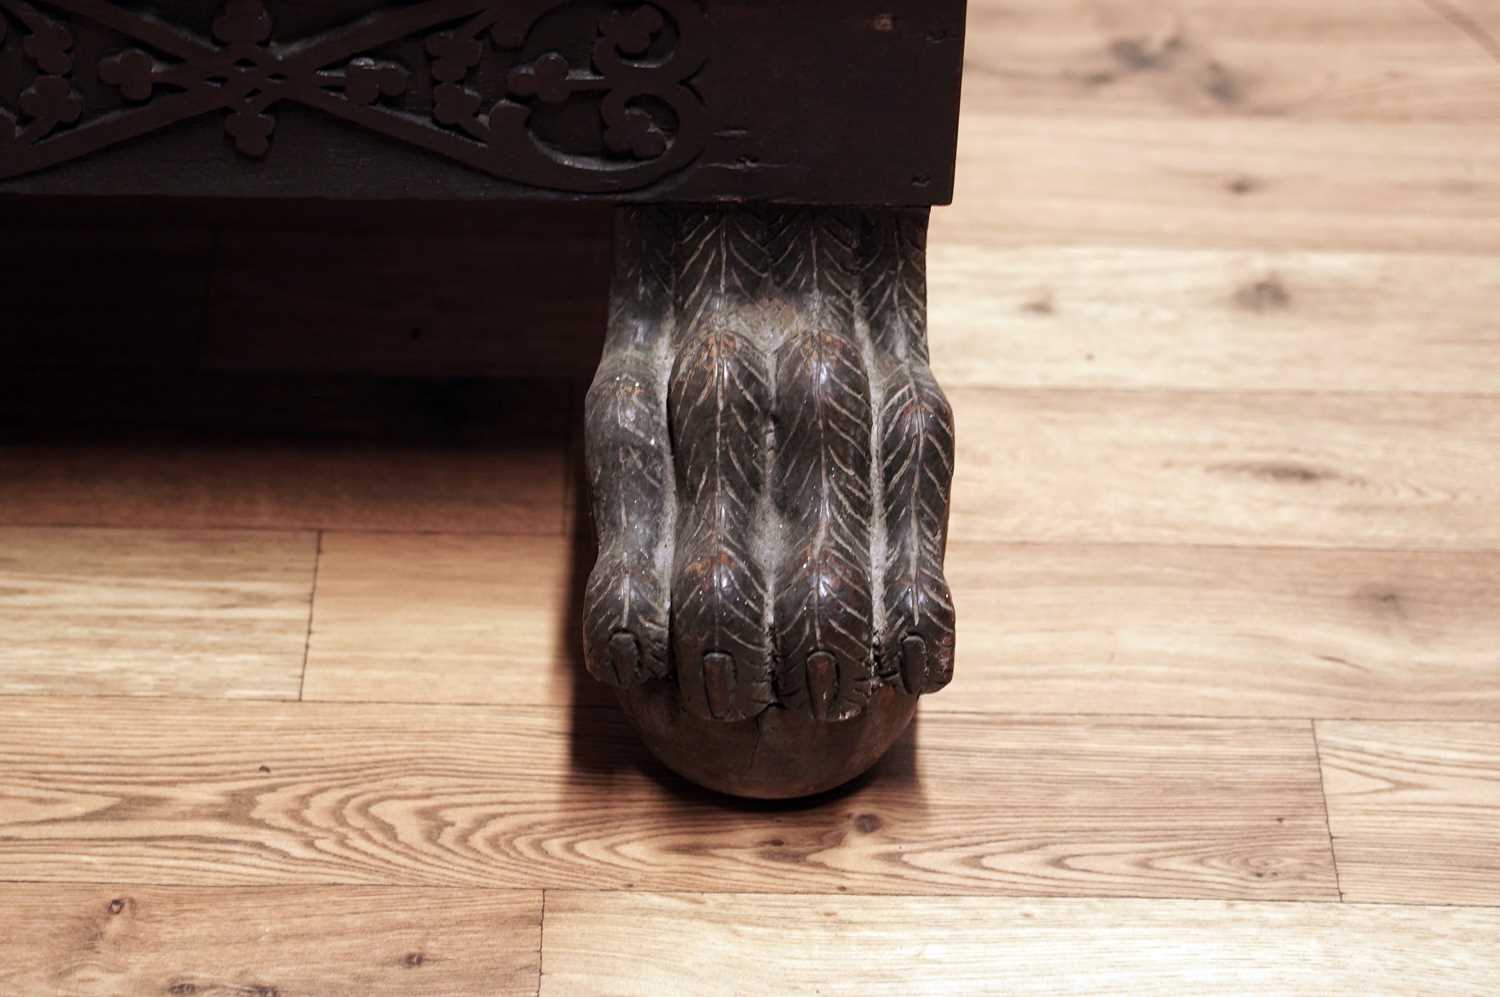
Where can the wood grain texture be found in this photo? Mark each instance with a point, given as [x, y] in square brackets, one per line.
[449, 619]
[1392, 61]
[1226, 631]
[221, 793]
[1054, 629]
[1072, 178]
[176, 613]
[1125, 317]
[1388, 471]
[132, 941]
[281, 452]
[1232, 268]
[746, 945]
[1415, 810]
[299, 487]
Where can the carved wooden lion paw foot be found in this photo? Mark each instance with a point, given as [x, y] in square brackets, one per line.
[771, 463]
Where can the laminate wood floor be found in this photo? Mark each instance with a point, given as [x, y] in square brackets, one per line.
[290, 701]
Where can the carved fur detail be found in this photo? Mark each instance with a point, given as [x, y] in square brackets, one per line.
[720, 408]
[915, 428]
[630, 461]
[824, 604]
[771, 462]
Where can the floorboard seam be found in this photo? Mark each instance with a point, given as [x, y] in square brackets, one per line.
[312, 602]
[8, 698]
[541, 946]
[1468, 25]
[997, 897]
[1313, 549]
[1333, 852]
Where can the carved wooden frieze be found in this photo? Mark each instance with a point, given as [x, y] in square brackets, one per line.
[583, 96]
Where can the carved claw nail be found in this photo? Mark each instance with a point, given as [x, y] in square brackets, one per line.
[625, 658]
[914, 667]
[822, 683]
[718, 684]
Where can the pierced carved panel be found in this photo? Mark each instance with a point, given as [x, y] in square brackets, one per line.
[581, 96]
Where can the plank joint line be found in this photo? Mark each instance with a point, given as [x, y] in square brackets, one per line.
[1333, 852]
[312, 601]
[541, 945]
[1468, 25]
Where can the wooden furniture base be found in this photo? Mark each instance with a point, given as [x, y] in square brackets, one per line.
[770, 461]
[769, 455]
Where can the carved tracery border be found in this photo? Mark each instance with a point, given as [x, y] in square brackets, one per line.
[652, 122]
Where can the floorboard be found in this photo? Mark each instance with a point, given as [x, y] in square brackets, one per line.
[135, 941]
[222, 793]
[1267, 182]
[1385, 472]
[1396, 60]
[450, 619]
[1225, 631]
[170, 449]
[1415, 810]
[746, 945]
[1116, 317]
[170, 613]
[1173, 630]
